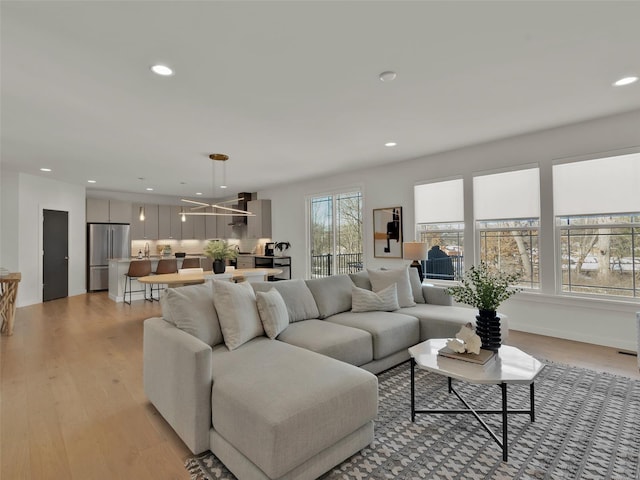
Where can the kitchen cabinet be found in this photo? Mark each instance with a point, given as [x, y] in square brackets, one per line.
[102, 210]
[260, 225]
[224, 230]
[193, 227]
[210, 225]
[147, 229]
[281, 263]
[176, 222]
[119, 211]
[245, 261]
[169, 224]
[199, 229]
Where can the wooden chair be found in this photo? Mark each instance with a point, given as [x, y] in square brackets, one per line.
[165, 265]
[137, 269]
[190, 263]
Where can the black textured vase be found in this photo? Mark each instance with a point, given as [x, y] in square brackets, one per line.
[219, 266]
[488, 329]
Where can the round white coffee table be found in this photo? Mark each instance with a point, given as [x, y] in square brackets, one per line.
[509, 365]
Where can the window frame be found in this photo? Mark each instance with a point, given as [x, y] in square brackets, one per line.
[559, 228]
[334, 194]
[535, 266]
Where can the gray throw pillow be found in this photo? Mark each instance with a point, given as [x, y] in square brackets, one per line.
[332, 294]
[416, 285]
[383, 278]
[191, 309]
[273, 312]
[361, 279]
[386, 300]
[297, 297]
[237, 311]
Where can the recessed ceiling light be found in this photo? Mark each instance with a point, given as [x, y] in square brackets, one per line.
[149, 189]
[45, 169]
[387, 76]
[390, 144]
[162, 70]
[625, 81]
[198, 193]
[91, 181]
[223, 186]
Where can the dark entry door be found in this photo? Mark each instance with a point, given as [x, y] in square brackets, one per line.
[55, 257]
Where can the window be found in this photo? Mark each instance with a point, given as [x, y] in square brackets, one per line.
[335, 234]
[507, 212]
[598, 223]
[439, 217]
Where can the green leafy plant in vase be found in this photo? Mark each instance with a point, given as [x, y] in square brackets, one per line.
[220, 251]
[486, 290]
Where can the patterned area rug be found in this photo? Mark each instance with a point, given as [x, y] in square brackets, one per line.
[587, 427]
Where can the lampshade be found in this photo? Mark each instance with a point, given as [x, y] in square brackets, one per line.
[414, 250]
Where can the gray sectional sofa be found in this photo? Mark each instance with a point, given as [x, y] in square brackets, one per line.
[297, 404]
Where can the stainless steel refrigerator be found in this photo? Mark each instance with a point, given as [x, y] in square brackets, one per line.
[105, 241]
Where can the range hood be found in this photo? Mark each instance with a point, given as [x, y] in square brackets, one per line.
[243, 199]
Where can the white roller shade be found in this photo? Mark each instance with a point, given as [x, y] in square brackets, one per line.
[507, 195]
[439, 202]
[605, 185]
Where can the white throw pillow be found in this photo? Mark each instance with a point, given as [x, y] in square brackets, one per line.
[386, 300]
[273, 312]
[381, 279]
[237, 311]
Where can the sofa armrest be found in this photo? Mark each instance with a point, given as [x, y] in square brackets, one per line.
[177, 380]
[436, 295]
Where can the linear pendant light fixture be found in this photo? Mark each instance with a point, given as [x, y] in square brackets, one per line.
[217, 208]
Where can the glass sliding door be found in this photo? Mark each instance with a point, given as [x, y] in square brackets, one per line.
[335, 234]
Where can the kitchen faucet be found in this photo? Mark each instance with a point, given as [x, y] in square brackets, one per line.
[146, 250]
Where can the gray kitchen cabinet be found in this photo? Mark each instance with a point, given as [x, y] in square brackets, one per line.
[97, 210]
[260, 225]
[245, 261]
[164, 221]
[119, 211]
[224, 230]
[193, 227]
[176, 222]
[199, 229]
[147, 229]
[102, 210]
[210, 225]
[169, 227]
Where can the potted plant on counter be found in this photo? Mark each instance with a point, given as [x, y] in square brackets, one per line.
[282, 247]
[220, 251]
[486, 290]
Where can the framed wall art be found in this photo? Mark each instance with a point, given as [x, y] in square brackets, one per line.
[387, 232]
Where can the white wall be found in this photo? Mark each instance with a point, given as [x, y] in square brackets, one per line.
[9, 221]
[36, 194]
[601, 322]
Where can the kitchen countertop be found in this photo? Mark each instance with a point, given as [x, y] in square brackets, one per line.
[262, 256]
[155, 257]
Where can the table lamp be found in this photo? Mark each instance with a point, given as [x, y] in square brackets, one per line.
[416, 251]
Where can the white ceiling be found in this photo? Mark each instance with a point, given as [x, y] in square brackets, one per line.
[290, 90]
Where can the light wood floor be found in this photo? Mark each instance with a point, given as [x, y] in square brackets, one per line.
[72, 404]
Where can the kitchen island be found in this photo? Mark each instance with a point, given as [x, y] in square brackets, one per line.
[119, 266]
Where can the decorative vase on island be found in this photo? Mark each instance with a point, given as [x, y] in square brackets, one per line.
[488, 329]
[219, 266]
